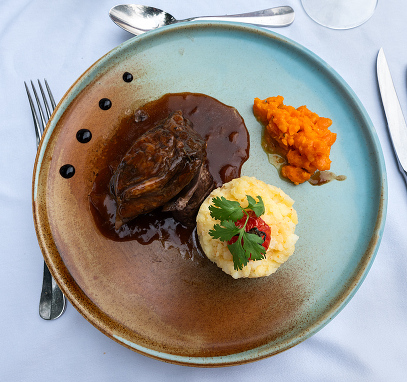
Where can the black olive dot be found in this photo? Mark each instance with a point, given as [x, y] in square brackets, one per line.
[105, 104]
[67, 171]
[127, 77]
[83, 135]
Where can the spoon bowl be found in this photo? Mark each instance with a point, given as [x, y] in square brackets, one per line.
[138, 19]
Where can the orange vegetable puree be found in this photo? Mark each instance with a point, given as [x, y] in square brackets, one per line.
[302, 135]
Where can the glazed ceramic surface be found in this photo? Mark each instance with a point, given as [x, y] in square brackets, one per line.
[176, 306]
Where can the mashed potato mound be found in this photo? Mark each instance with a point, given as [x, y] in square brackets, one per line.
[279, 215]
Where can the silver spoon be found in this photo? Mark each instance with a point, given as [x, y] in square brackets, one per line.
[138, 19]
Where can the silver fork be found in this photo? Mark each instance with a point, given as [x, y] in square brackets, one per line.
[52, 300]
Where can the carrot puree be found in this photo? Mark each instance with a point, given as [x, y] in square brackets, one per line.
[302, 135]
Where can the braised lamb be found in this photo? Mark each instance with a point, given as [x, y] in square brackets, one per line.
[165, 161]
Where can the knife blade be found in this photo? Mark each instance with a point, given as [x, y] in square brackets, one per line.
[394, 114]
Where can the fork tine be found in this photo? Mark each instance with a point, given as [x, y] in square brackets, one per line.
[47, 110]
[34, 114]
[51, 97]
[39, 107]
[40, 122]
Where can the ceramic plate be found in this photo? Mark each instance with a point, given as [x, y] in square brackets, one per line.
[181, 308]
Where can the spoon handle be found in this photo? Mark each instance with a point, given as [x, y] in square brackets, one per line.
[271, 17]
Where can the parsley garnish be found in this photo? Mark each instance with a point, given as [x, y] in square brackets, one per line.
[248, 245]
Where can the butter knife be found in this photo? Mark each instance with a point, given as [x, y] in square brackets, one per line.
[394, 114]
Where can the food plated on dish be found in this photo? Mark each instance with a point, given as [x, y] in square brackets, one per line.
[171, 153]
[165, 160]
[273, 225]
[302, 136]
[145, 281]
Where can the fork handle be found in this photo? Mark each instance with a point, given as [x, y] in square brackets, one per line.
[52, 300]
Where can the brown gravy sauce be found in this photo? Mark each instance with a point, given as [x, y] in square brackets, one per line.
[322, 177]
[275, 154]
[276, 157]
[227, 149]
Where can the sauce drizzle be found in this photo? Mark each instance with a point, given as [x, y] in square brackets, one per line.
[322, 177]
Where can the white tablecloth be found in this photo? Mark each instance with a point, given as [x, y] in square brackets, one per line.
[58, 40]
